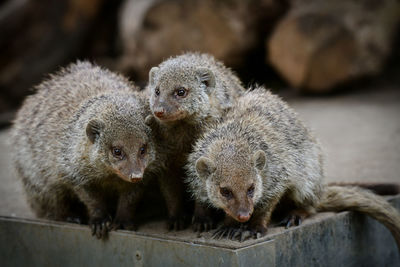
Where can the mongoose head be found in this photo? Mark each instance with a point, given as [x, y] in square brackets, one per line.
[233, 181]
[120, 142]
[180, 91]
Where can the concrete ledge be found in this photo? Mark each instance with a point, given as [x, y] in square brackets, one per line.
[343, 239]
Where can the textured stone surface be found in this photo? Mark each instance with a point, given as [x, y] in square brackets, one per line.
[344, 239]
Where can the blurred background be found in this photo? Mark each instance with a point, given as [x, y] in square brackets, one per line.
[305, 46]
[337, 62]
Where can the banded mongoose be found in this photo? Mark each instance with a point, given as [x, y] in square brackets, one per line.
[82, 146]
[260, 155]
[185, 92]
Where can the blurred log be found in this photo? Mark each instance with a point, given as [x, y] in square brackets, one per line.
[322, 43]
[153, 30]
[37, 36]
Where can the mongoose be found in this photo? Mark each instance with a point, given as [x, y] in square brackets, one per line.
[82, 146]
[185, 92]
[260, 155]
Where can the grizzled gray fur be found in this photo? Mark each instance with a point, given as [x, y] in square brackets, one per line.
[82, 147]
[261, 158]
[186, 92]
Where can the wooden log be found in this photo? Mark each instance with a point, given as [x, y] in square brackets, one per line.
[154, 30]
[320, 44]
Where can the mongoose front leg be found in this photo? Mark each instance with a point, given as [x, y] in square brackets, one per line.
[171, 187]
[258, 224]
[203, 219]
[74, 211]
[126, 210]
[99, 219]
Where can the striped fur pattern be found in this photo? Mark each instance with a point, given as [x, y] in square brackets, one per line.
[224, 170]
[210, 90]
[59, 165]
[227, 156]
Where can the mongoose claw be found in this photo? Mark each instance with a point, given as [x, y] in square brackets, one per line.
[176, 224]
[219, 233]
[246, 234]
[225, 231]
[100, 227]
[249, 234]
[291, 220]
[240, 234]
[202, 224]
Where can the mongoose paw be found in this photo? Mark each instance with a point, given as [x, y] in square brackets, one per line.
[248, 234]
[240, 234]
[100, 226]
[226, 231]
[203, 223]
[176, 223]
[256, 231]
[291, 220]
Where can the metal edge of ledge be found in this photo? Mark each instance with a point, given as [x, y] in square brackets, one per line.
[345, 239]
[44, 243]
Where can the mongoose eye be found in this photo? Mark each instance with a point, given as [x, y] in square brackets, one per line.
[142, 150]
[250, 191]
[157, 91]
[181, 92]
[225, 192]
[118, 153]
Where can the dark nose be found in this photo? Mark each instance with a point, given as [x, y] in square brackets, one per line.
[243, 216]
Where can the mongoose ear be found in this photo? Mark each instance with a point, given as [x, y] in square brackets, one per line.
[93, 129]
[206, 76]
[259, 159]
[152, 74]
[204, 167]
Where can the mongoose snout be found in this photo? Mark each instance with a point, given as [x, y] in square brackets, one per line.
[159, 113]
[166, 111]
[243, 215]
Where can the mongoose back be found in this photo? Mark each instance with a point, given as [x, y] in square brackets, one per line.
[81, 144]
[185, 92]
[262, 154]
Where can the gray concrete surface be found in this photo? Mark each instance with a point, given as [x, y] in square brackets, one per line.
[359, 131]
[12, 196]
[344, 239]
